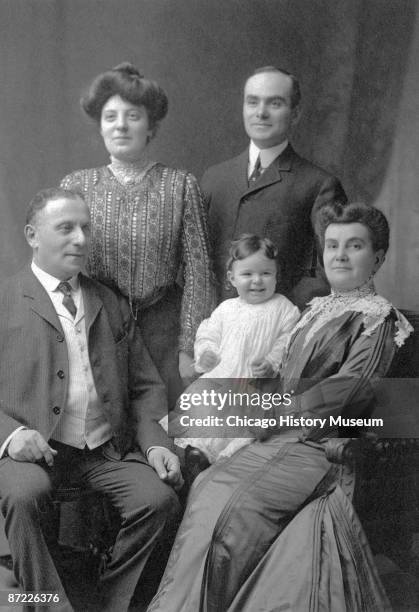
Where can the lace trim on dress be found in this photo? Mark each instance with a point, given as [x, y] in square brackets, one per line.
[365, 300]
[404, 329]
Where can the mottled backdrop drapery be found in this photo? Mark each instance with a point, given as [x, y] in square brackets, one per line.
[357, 61]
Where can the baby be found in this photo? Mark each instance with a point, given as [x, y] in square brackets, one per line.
[245, 337]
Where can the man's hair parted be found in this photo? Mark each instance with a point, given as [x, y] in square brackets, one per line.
[295, 88]
[41, 199]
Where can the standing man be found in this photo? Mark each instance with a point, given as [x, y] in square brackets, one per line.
[269, 189]
[80, 401]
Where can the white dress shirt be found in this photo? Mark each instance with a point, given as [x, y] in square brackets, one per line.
[266, 156]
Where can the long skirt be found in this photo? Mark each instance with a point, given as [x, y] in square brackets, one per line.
[266, 530]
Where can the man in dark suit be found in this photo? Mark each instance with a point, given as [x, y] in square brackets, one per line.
[80, 401]
[269, 189]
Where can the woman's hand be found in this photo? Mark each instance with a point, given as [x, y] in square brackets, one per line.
[208, 360]
[186, 369]
[262, 369]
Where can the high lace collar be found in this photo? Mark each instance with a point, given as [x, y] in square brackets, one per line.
[367, 289]
[129, 173]
[363, 299]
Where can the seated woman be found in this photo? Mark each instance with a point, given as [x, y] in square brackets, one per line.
[148, 223]
[269, 528]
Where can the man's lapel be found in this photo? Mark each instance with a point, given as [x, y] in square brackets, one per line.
[239, 171]
[38, 299]
[92, 302]
[273, 174]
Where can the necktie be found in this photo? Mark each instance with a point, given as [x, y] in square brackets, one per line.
[68, 301]
[257, 171]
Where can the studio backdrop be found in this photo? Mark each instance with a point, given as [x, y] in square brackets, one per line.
[356, 60]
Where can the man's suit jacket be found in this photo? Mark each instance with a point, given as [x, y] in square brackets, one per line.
[279, 205]
[34, 369]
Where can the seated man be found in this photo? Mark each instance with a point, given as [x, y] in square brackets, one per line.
[80, 401]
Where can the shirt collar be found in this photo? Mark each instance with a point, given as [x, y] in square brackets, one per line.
[50, 283]
[267, 156]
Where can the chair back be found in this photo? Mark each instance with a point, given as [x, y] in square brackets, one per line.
[406, 363]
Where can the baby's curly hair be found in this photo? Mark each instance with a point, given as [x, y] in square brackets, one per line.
[248, 244]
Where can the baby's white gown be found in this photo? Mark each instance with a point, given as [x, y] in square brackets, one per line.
[240, 334]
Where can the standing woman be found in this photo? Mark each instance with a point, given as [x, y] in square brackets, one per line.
[148, 223]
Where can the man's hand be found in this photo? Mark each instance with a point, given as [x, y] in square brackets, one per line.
[30, 445]
[262, 369]
[167, 466]
[208, 360]
[186, 370]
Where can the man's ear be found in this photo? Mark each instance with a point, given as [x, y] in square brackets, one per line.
[296, 114]
[30, 235]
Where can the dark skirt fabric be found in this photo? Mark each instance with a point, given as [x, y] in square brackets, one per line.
[255, 529]
[235, 511]
[321, 562]
[160, 328]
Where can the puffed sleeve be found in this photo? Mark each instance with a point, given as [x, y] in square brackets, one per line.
[72, 181]
[199, 297]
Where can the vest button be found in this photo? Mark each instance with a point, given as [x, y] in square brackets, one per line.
[60, 374]
[56, 410]
[60, 338]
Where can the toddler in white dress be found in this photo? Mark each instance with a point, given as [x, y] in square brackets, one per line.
[244, 337]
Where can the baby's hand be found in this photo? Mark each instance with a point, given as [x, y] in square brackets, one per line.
[262, 369]
[208, 360]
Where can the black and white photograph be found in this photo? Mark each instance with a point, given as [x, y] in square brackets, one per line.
[209, 305]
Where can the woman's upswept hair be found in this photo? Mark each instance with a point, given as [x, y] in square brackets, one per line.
[126, 81]
[248, 244]
[355, 212]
